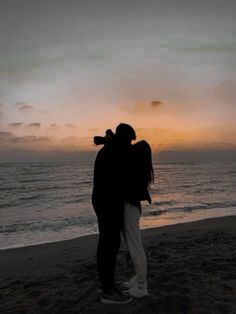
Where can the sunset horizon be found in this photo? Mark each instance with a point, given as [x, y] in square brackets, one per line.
[68, 140]
[69, 72]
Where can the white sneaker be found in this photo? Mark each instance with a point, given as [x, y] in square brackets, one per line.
[139, 290]
[129, 284]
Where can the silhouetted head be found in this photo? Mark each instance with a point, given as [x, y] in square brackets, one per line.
[144, 156]
[143, 148]
[125, 133]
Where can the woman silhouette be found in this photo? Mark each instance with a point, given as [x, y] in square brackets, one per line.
[140, 178]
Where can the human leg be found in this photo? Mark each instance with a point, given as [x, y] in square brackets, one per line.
[134, 242]
[108, 247]
[110, 223]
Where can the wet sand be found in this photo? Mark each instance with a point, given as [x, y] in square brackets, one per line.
[191, 269]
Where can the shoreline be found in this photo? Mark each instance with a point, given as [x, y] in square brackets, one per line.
[91, 239]
[176, 221]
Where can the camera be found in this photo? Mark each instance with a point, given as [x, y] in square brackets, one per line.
[104, 140]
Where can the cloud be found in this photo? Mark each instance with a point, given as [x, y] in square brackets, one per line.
[34, 138]
[155, 103]
[24, 107]
[143, 107]
[34, 125]
[70, 125]
[53, 128]
[10, 142]
[53, 125]
[95, 131]
[4, 135]
[15, 124]
[43, 111]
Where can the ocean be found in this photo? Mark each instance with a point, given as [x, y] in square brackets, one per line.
[48, 202]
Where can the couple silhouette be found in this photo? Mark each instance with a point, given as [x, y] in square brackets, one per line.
[123, 173]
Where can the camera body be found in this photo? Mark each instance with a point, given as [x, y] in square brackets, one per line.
[104, 140]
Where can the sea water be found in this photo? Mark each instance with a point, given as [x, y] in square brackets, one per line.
[47, 202]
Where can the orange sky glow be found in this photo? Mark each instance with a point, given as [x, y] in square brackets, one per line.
[73, 70]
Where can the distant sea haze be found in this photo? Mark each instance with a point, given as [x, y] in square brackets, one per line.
[47, 202]
[190, 155]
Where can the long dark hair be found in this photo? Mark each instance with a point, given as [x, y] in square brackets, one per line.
[144, 157]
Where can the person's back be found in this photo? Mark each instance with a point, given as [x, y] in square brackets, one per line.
[109, 173]
[108, 201]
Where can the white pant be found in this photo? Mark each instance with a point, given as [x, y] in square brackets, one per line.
[132, 235]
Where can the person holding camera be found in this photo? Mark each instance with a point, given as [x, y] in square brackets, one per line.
[108, 199]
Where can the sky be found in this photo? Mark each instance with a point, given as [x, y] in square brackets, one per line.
[70, 69]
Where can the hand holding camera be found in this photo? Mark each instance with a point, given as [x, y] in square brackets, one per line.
[104, 140]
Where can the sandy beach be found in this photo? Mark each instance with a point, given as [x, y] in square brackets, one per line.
[191, 269]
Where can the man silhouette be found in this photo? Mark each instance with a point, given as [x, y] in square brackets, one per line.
[108, 197]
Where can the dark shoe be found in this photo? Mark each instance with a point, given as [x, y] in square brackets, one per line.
[114, 297]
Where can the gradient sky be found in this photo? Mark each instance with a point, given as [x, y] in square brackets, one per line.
[69, 69]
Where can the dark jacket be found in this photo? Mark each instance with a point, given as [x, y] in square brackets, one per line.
[110, 172]
[136, 184]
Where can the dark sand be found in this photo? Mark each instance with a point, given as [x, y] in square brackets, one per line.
[191, 269]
